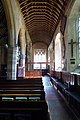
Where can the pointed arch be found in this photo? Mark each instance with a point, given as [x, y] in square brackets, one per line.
[58, 57]
[21, 46]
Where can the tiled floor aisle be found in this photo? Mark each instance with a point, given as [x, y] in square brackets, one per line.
[57, 108]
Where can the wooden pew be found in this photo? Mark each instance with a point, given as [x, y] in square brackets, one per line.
[66, 79]
[22, 87]
[58, 81]
[73, 94]
[69, 86]
[33, 74]
[3, 77]
[62, 80]
[25, 80]
[55, 78]
[38, 80]
[24, 97]
[36, 110]
[32, 84]
[18, 94]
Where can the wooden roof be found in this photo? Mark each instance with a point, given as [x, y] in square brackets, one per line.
[42, 17]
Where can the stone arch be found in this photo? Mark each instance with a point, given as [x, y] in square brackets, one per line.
[22, 45]
[14, 24]
[3, 41]
[10, 21]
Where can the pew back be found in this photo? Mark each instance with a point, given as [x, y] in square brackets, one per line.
[56, 74]
[67, 78]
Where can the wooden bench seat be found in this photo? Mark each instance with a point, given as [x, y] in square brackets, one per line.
[23, 105]
[37, 110]
[3, 77]
[22, 88]
[20, 85]
[54, 81]
[30, 84]
[28, 80]
[33, 73]
[26, 94]
[69, 85]
[73, 99]
[73, 95]
[59, 85]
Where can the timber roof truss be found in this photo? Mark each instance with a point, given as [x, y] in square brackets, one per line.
[42, 17]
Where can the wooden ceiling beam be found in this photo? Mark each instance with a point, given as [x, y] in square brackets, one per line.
[36, 23]
[38, 16]
[46, 26]
[26, 8]
[37, 27]
[42, 15]
[37, 13]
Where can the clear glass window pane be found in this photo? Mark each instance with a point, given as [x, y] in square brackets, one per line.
[79, 22]
[79, 46]
[79, 18]
[39, 56]
[78, 34]
[79, 28]
[79, 38]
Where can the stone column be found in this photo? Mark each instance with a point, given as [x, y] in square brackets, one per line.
[12, 63]
[22, 60]
[21, 68]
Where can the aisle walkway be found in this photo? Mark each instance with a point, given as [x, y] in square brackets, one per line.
[58, 110]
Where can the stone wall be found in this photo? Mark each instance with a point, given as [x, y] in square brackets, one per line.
[72, 33]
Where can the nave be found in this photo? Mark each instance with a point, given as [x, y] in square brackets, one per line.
[57, 107]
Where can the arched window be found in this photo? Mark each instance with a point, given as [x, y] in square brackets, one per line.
[39, 56]
[58, 65]
[79, 40]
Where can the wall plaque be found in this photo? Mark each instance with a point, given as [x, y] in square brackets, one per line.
[72, 60]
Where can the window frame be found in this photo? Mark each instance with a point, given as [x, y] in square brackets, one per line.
[39, 59]
[79, 40]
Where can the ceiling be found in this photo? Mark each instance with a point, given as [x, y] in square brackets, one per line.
[42, 17]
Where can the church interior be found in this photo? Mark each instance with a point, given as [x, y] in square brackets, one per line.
[39, 59]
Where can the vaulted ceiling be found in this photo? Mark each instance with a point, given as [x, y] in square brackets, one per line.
[42, 17]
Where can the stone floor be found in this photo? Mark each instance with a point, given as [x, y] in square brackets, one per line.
[57, 107]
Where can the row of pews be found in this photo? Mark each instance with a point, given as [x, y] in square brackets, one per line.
[23, 99]
[68, 84]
